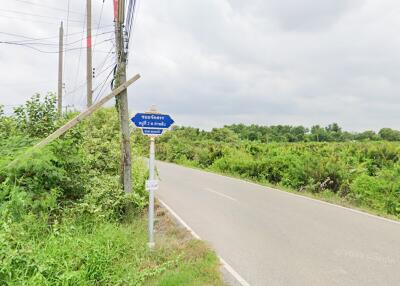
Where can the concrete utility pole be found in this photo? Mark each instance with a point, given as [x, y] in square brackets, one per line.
[122, 99]
[89, 77]
[60, 69]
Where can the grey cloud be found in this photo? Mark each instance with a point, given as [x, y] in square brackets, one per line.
[299, 15]
[216, 62]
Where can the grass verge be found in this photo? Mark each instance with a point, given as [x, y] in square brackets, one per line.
[103, 253]
[196, 264]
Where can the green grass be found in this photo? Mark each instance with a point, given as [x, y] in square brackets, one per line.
[79, 253]
[195, 270]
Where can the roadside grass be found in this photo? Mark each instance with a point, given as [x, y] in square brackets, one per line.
[325, 196]
[197, 264]
[104, 253]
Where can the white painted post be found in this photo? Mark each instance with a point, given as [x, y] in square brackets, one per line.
[151, 192]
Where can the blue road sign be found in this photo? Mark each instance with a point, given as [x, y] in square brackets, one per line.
[152, 120]
[151, 131]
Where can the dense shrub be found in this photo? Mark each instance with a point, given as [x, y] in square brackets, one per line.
[363, 173]
[59, 206]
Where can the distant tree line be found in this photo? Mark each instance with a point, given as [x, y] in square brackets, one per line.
[286, 133]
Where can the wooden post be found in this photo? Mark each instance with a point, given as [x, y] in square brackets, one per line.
[85, 113]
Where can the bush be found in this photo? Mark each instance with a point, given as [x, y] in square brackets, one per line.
[37, 118]
[60, 206]
[363, 173]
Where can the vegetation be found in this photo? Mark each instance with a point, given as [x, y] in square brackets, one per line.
[64, 219]
[362, 173]
[285, 133]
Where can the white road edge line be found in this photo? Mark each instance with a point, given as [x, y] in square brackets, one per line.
[337, 206]
[220, 194]
[265, 188]
[312, 199]
[228, 268]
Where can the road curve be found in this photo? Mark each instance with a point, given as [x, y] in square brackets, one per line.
[276, 238]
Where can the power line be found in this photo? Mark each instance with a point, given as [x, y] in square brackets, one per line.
[130, 22]
[110, 71]
[80, 56]
[29, 45]
[38, 83]
[66, 36]
[104, 84]
[98, 25]
[26, 42]
[35, 15]
[29, 39]
[104, 33]
[48, 7]
[27, 20]
[19, 36]
[105, 59]
[76, 88]
[106, 69]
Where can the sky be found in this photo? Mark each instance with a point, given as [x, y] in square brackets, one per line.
[215, 62]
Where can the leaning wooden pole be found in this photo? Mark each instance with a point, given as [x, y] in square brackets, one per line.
[85, 113]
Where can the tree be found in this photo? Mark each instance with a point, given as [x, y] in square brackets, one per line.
[37, 118]
[319, 134]
[367, 135]
[389, 134]
[335, 132]
[223, 135]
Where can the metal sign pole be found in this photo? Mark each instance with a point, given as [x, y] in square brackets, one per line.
[152, 124]
[151, 192]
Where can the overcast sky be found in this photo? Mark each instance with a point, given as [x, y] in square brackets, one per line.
[215, 62]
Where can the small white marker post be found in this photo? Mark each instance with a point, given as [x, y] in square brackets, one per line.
[152, 124]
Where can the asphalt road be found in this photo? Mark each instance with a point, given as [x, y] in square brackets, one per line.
[275, 238]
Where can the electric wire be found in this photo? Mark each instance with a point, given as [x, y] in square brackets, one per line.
[66, 40]
[27, 45]
[106, 69]
[99, 22]
[109, 70]
[105, 59]
[80, 56]
[34, 15]
[76, 88]
[51, 37]
[55, 44]
[104, 84]
[48, 7]
[130, 22]
[27, 20]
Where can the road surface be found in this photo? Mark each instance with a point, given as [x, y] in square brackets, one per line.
[276, 238]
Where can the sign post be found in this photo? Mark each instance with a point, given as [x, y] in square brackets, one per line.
[152, 161]
[152, 124]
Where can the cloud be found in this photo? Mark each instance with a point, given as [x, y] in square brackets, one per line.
[295, 15]
[215, 62]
